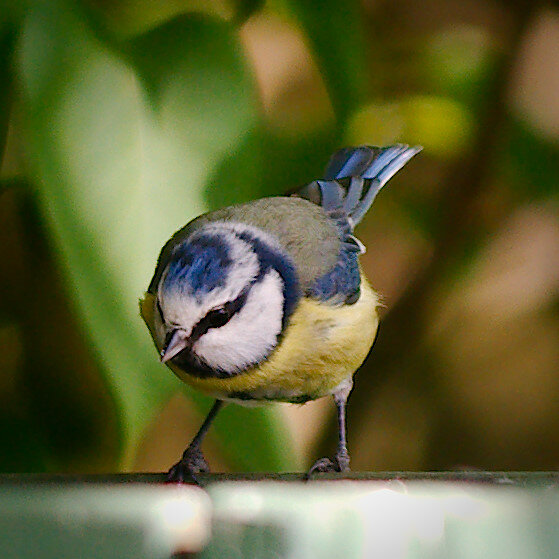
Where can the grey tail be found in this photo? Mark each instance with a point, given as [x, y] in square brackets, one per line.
[354, 176]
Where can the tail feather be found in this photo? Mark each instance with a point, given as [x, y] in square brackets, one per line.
[385, 157]
[354, 193]
[381, 170]
[394, 162]
[350, 162]
[354, 176]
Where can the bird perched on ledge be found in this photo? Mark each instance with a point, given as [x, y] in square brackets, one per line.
[266, 301]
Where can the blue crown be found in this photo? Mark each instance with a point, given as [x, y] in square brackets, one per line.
[199, 265]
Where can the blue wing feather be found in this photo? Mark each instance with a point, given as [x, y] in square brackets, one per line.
[342, 283]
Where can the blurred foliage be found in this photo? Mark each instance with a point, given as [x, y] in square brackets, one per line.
[122, 120]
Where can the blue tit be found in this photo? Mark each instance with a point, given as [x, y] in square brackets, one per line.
[266, 301]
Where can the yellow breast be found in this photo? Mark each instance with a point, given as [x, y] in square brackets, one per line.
[322, 347]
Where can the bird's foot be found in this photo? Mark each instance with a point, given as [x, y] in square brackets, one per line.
[191, 463]
[338, 463]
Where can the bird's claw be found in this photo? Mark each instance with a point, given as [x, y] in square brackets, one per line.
[339, 463]
[191, 463]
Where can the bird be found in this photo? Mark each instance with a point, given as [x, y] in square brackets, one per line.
[266, 301]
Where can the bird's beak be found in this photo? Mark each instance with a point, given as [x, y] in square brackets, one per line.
[176, 343]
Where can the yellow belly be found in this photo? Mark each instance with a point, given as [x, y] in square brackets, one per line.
[322, 347]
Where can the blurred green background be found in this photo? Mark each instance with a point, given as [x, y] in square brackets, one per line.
[120, 121]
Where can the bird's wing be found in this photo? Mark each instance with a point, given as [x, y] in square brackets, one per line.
[352, 179]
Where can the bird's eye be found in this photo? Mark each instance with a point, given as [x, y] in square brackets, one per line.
[218, 317]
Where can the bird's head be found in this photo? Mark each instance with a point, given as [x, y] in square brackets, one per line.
[223, 299]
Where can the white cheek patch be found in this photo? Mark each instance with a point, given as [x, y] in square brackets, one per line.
[251, 334]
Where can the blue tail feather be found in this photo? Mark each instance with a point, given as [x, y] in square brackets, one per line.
[368, 169]
[331, 195]
[350, 162]
[354, 176]
[354, 193]
[394, 164]
[384, 158]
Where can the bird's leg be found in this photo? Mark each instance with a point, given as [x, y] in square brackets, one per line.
[342, 456]
[340, 461]
[193, 461]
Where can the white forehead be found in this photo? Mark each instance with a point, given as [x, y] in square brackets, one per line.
[181, 307]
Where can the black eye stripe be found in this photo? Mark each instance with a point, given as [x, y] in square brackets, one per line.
[230, 309]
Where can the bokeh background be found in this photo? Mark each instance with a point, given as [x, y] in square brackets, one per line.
[122, 120]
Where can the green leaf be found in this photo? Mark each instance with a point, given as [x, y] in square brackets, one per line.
[529, 159]
[119, 168]
[49, 383]
[265, 165]
[7, 42]
[336, 38]
[246, 8]
[123, 19]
